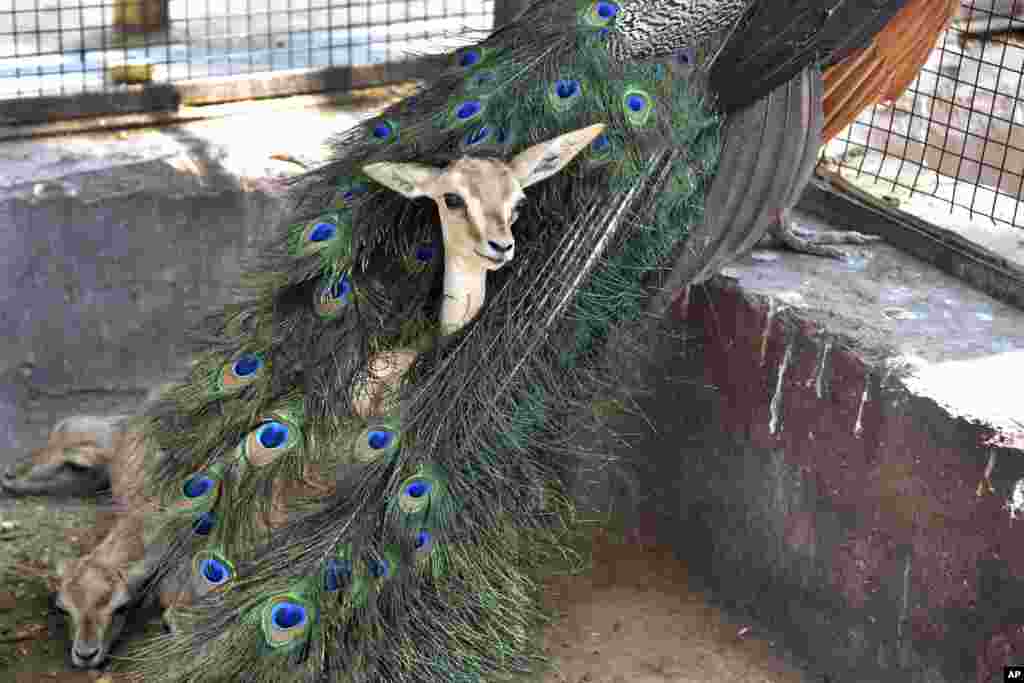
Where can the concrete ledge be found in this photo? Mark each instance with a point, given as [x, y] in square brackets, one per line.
[812, 465]
[153, 97]
[993, 273]
[169, 97]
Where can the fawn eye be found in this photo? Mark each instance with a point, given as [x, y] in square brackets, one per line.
[454, 201]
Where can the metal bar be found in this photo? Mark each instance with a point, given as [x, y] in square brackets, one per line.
[72, 54]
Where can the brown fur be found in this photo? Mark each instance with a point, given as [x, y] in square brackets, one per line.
[96, 589]
[74, 460]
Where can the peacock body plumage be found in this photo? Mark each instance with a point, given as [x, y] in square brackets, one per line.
[329, 538]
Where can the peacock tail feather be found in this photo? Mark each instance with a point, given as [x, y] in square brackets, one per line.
[419, 561]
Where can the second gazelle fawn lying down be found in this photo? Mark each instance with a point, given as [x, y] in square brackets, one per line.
[97, 590]
[76, 459]
[478, 200]
[74, 462]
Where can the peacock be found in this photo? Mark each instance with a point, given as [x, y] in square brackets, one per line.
[372, 458]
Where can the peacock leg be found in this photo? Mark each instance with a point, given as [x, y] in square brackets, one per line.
[787, 234]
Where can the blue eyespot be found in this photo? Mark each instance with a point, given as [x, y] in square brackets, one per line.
[204, 525]
[273, 434]
[198, 486]
[567, 88]
[247, 364]
[468, 109]
[287, 615]
[322, 231]
[417, 489]
[379, 439]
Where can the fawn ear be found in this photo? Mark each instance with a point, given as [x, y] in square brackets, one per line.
[411, 180]
[545, 159]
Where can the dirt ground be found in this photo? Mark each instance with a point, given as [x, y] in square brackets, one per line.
[629, 617]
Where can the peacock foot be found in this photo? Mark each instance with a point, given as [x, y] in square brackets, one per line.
[787, 234]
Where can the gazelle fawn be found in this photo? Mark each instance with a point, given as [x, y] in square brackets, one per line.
[478, 200]
[96, 591]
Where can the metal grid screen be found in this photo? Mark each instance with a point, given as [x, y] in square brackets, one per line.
[66, 47]
[955, 138]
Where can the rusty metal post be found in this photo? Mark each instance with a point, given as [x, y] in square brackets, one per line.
[140, 16]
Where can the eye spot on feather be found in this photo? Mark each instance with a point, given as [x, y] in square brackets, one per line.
[247, 365]
[204, 525]
[564, 93]
[375, 443]
[638, 106]
[273, 434]
[567, 88]
[417, 489]
[287, 615]
[215, 571]
[468, 110]
[599, 14]
[341, 288]
[379, 439]
[415, 495]
[270, 440]
[198, 486]
[425, 253]
[607, 10]
[379, 569]
[322, 231]
[384, 130]
[286, 621]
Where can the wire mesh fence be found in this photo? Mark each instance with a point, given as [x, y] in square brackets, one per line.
[956, 135]
[65, 47]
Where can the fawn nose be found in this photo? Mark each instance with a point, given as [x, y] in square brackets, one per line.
[500, 248]
[86, 655]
